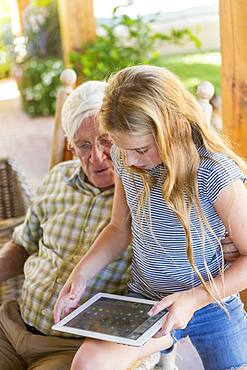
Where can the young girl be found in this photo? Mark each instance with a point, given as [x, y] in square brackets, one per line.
[179, 189]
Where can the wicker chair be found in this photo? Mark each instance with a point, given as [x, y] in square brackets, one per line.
[14, 200]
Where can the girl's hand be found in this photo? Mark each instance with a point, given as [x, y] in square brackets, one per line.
[69, 296]
[181, 307]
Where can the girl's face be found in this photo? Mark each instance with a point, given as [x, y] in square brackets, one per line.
[141, 151]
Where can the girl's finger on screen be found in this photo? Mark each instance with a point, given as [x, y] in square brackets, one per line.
[159, 306]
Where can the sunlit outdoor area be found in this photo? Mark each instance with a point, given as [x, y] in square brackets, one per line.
[50, 48]
[165, 33]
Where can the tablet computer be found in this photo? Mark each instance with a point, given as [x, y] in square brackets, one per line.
[113, 318]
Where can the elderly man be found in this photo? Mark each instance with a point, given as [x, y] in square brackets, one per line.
[71, 207]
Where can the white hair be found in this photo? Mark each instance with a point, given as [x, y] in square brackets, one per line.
[83, 102]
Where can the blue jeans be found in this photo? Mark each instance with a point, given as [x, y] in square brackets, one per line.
[220, 339]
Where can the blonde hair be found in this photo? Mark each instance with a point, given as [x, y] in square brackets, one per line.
[146, 99]
[83, 102]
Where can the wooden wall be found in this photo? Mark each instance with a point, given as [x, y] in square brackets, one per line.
[77, 24]
[233, 24]
[233, 27]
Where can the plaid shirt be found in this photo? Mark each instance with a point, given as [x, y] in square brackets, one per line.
[63, 221]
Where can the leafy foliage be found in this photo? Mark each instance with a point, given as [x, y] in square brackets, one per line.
[122, 42]
[39, 84]
[41, 66]
[5, 41]
[41, 28]
[5, 60]
[195, 68]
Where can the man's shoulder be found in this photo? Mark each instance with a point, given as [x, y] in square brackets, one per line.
[61, 173]
[66, 168]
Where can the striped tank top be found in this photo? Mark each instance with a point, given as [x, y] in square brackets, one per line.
[160, 265]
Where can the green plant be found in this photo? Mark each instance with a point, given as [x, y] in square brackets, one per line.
[39, 84]
[195, 68]
[40, 64]
[124, 41]
[41, 28]
[6, 59]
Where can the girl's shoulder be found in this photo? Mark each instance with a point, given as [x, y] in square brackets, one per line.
[216, 171]
[210, 159]
[217, 162]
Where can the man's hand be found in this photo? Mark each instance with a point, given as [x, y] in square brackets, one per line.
[12, 259]
[69, 296]
[231, 253]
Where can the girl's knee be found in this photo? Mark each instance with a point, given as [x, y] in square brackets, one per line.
[81, 362]
[94, 354]
[88, 357]
[79, 365]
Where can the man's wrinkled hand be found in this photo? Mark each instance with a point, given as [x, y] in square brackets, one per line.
[231, 253]
[69, 298]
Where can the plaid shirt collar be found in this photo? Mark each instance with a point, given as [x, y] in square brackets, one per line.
[79, 181]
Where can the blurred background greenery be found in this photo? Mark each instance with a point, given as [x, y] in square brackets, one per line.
[194, 68]
[35, 58]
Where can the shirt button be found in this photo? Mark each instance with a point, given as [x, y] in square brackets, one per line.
[59, 280]
[43, 312]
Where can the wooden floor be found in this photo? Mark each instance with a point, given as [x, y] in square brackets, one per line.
[28, 142]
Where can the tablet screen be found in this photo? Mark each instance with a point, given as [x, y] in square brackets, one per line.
[116, 317]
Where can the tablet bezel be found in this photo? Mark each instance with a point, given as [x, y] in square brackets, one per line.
[61, 325]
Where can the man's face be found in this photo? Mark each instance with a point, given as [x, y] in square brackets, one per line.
[92, 147]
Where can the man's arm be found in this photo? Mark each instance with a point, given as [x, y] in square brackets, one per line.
[110, 243]
[25, 238]
[231, 252]
[12, 259]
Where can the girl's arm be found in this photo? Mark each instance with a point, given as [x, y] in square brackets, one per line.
[113, 240]
[231, 206]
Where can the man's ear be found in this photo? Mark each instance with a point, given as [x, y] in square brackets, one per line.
[71, 149]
